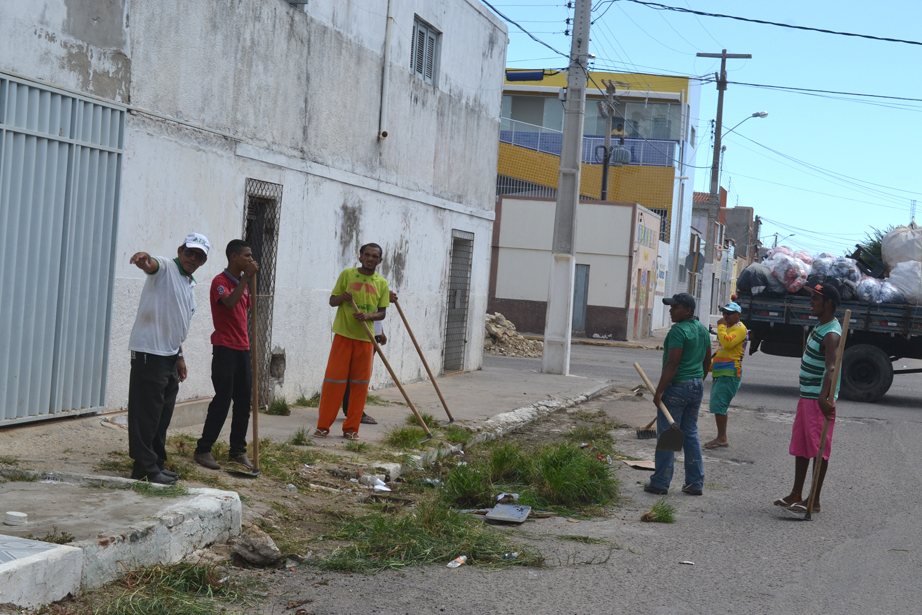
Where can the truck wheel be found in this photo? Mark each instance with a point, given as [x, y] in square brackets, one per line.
[867, 373]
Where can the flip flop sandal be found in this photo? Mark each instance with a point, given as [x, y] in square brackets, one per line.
[321, 433]
[783, 503]
[351, 435]
[801, 509]
[368, 420]
[712, 444]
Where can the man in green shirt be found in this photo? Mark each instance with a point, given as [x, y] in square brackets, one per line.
[686, 359]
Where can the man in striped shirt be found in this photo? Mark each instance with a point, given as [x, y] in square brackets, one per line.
[816, 374]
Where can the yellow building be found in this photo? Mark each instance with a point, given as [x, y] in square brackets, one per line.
[656, 118]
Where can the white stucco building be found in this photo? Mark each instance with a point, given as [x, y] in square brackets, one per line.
[125, 124]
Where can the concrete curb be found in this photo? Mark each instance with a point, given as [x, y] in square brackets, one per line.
[611, 343]
[43, 578]
[501, 424]
[493, 429]
[165, 537]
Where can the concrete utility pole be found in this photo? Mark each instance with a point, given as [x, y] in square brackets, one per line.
[559, 323]
[704, 308]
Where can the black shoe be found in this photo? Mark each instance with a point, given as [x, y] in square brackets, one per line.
[206, 460]
[654, 490]
[691, 490]
[169, 473]
[155, 477]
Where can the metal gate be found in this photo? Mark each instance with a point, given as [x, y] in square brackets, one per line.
[459, 291]
[580, 299]
[263, 211]
[60, 164]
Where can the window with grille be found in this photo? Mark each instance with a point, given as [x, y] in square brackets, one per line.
[424, 52]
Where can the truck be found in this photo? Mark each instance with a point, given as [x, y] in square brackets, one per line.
[879, 335]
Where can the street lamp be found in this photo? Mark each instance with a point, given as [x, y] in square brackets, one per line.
[756, 114]
[775, 245]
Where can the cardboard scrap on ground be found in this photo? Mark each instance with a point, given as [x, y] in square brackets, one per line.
[640, 464]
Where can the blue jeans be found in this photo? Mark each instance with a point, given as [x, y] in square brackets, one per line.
[682, 399]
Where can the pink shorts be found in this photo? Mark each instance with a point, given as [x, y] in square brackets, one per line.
[808, 427]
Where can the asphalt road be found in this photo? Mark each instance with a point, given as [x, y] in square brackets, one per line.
[860, 555]
[769, 383]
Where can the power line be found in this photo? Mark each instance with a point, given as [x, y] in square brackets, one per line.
[664, 7]
[835, 174]
[532, 36]
[835, 196]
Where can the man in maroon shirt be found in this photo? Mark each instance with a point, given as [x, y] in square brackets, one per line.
[230, 360]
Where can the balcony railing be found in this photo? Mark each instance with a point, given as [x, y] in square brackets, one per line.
[646, 152]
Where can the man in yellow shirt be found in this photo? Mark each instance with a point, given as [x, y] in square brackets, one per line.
[352, 352]
[727, 368]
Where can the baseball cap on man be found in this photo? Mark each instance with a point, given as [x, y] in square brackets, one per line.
[732, 307]
[197, 241]
[680, 299]
[826, 291]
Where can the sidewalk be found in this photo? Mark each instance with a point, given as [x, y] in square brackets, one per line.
[654, 342]
[58, 461]
[474, 398]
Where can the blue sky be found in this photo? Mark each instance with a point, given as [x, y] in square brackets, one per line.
[839, 167]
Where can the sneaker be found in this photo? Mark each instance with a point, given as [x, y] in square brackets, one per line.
[205, 459]
[691, 490]
[242, 460]
[654, 490]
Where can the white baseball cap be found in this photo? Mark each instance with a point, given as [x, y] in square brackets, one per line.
[197, 241]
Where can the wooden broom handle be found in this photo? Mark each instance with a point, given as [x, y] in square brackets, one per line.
[390, 370]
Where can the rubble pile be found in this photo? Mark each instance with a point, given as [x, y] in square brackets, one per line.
[502, 339]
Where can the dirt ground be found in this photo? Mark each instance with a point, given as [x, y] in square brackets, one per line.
[305, 492]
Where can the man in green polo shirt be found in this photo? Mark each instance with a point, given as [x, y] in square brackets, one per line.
[686, 359]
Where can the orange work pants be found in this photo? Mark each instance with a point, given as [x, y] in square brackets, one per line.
[350, 362]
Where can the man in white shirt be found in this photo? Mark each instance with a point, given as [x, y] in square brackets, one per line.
[157, 364]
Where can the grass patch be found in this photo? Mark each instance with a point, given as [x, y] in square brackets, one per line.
[356, 447]
[404, 437]
[145, 488]
[20, 476]
[429, 534]
[302, 437]
[308, 402]
[598, 436]
[430, 421]
[661, 512]
[468, 486]
[53, 537]
[457, 434]
[284, 462]
[567, 476]
[559, 477]
[181, 589]
[8, 461]
[374, 400]
[586, 415]
[116, 461]
[279, 407]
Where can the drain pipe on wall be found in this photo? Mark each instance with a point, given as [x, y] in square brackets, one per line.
[386, 73]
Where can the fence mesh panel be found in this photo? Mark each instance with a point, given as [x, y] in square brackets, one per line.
[263, 212]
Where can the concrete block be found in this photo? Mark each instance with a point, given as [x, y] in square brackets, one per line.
[41, 578]
[391, 470]
[169, 535]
